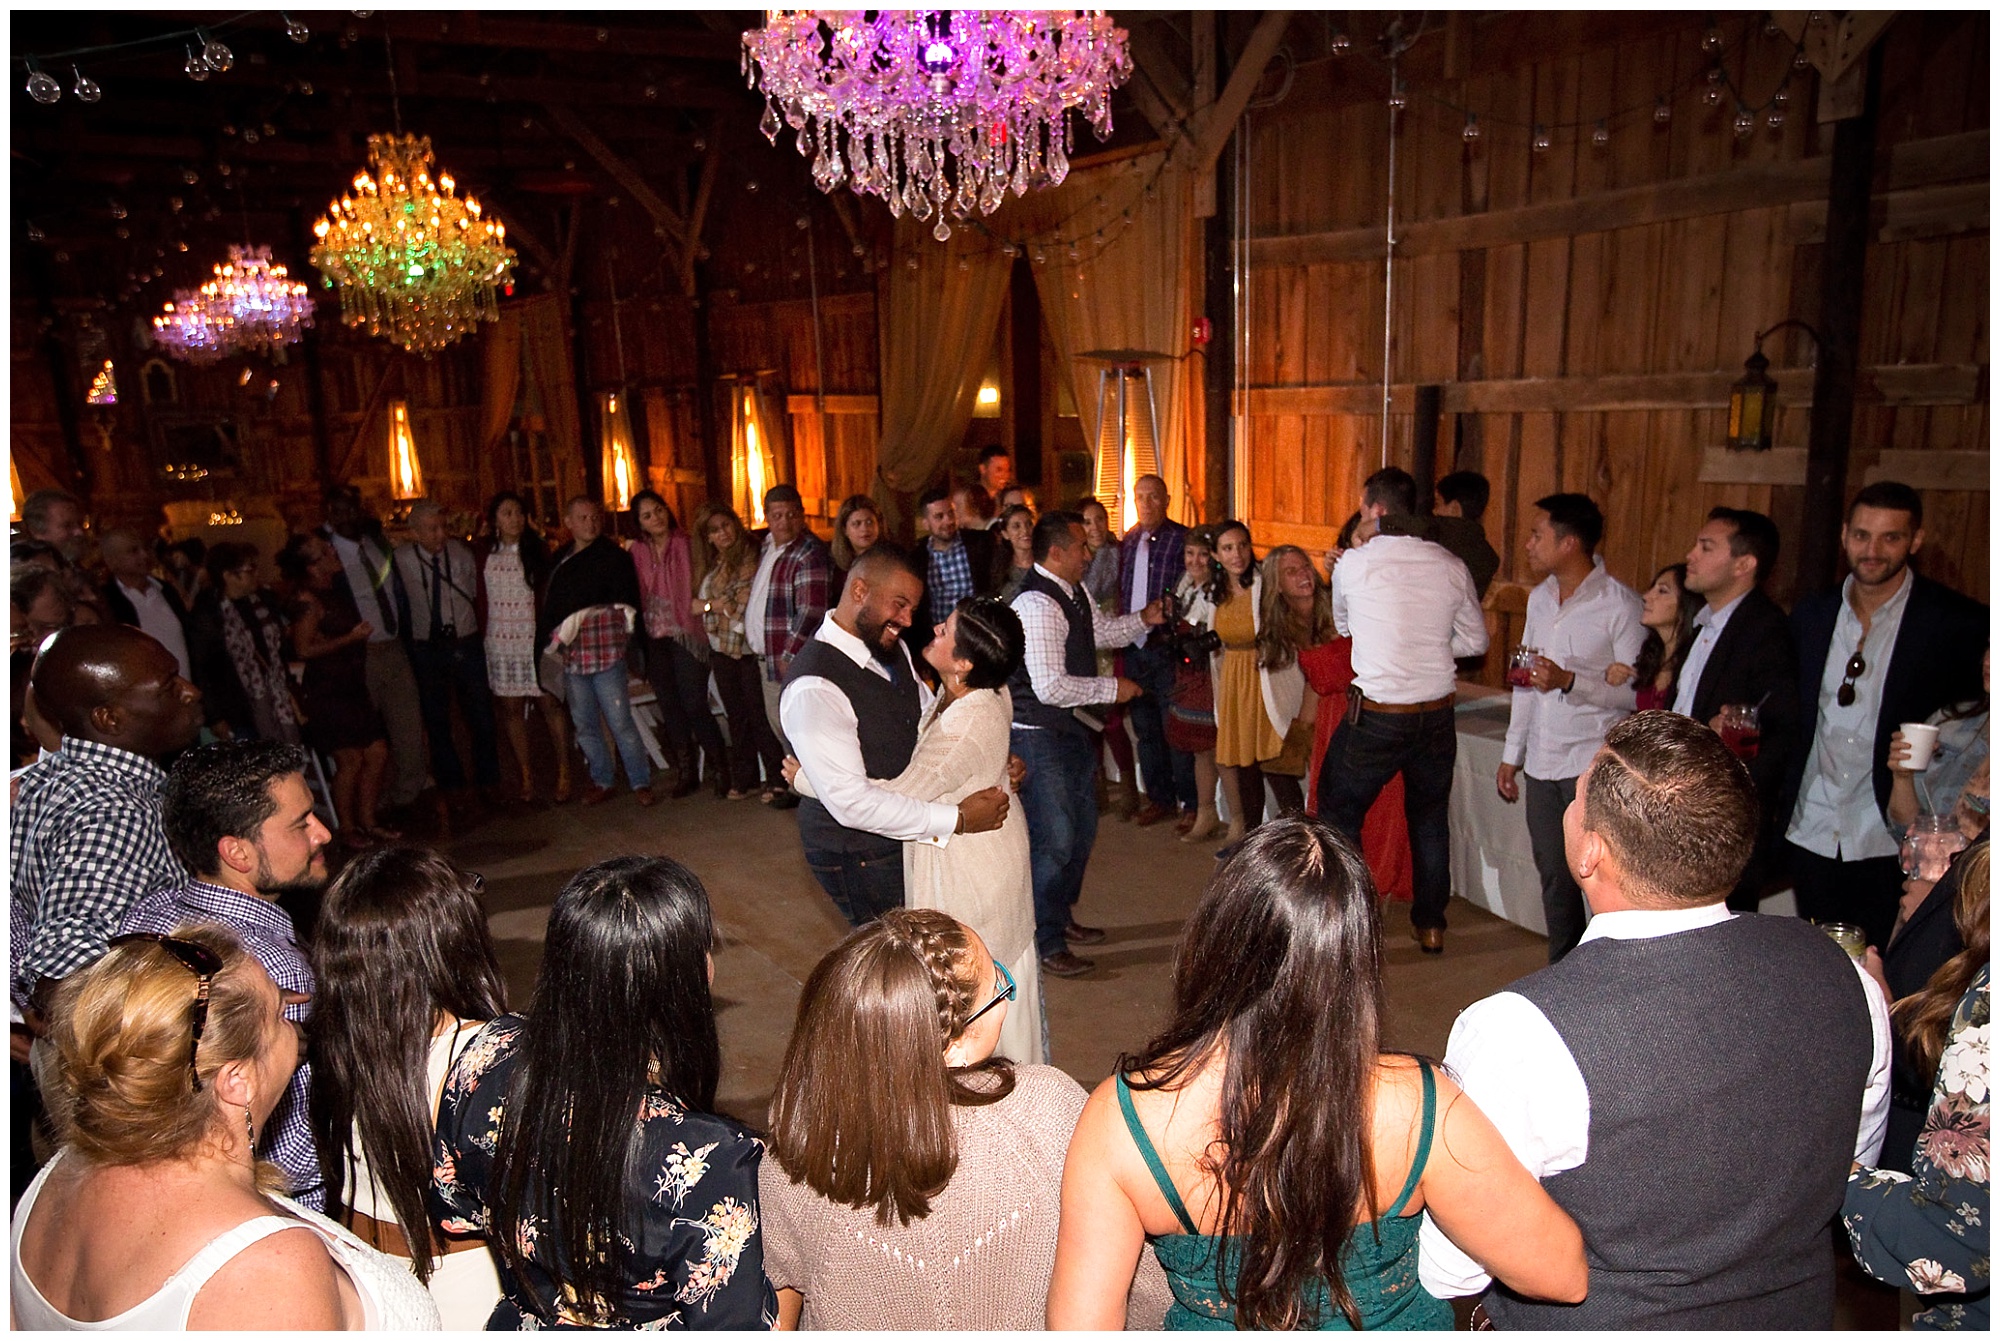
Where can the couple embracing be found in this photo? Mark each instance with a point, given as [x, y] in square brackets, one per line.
[908, 790]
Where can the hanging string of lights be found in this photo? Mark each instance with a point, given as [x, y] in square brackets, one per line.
[206, 55]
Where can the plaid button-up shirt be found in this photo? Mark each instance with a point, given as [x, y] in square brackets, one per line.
[600, 643]
[1166, 559]
[266, 932]
[86, 844]
[801, 591]
[950, 576]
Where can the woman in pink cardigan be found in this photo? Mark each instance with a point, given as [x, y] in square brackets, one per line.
[676, 647]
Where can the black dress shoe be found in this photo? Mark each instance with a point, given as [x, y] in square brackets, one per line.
[785, 800]
[1083, 935]
[1067, 964]
[1429, 939]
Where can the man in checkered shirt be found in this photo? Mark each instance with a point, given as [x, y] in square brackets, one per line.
[240, 818]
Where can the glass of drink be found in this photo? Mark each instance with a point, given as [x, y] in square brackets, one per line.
[1848, 937]
[1929, 845]
[1740, 731]
[1521, 666]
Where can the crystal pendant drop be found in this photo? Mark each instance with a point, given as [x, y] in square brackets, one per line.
[769, 123]
[943, 230]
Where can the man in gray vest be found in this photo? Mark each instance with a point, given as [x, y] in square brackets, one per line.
[851, 708]
[1691, 1085]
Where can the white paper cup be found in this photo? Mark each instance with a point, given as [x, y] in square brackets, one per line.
[1922, 740]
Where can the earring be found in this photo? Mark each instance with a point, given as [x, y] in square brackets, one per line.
[250, 1131]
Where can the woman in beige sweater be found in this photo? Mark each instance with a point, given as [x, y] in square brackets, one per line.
[940, 1211]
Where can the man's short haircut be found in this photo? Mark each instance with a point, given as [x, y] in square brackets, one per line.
[29, 582]
[1675, 806]
[1467, 488]
[37, 506]
[1575, 515]
[1393, 488]
[1052, 529]
[1755, 535]
[1892, 496]
[782, 493]
[991, 450]
[879, 562]
[937, 493]
[222, 791]
[580, 500]
[425, 507]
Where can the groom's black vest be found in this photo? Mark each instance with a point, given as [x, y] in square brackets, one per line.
[885, 714]
[1079, 657]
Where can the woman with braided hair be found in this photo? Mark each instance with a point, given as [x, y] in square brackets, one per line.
[914, 1177]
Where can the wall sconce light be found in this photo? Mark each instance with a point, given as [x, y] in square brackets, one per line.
[406, 471]
[987, 404]
[1753, 401]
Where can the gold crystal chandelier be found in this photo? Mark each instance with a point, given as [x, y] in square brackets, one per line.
[412, 261]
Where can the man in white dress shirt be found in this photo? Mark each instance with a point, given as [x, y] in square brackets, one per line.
[851, 708]
[1583, 620]
[1689, 1084]
[134, 596]
[1411, 609]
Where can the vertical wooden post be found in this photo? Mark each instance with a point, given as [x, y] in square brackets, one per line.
[1219, 305]
[1841, 285]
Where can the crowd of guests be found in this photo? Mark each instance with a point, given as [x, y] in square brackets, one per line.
[938, 716]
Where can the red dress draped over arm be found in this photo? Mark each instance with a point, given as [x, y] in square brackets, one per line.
[1385, 834]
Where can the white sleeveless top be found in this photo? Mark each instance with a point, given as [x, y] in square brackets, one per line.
[465, 1285]
[391, 1298]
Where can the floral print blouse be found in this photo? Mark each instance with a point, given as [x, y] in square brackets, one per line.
[695, 1255]
[1929, 1232]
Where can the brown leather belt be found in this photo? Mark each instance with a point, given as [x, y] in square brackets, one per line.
[387, 1236]
[1357, 704]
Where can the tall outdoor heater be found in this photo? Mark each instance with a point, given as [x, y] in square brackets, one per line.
[1128, 428]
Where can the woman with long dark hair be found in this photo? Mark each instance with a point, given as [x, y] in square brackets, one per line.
[1244, 734]
[1191, 709]
[726, 558]
[856, 530]
[582, 1135]
[1294, 616]
[515, 563]
[1668, 611]
[1014, 560]
[406, 979]
[1275, 1155]
[331, 637]
[677, 650]
[236, 639]
[945, 1139]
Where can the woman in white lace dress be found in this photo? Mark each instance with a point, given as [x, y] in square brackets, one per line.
[980, 879]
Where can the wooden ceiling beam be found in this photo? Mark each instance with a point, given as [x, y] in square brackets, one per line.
[627, 176]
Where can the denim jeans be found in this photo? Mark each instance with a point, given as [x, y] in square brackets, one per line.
[1360, 760]
[1169, 773]
[456, 666]
[595, 699]
[1059, 799]
[1562, 901]
[861, 873]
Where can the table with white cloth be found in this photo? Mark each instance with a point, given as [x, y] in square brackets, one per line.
[1492, 863]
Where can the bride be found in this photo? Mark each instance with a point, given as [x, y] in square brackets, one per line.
[981, 879]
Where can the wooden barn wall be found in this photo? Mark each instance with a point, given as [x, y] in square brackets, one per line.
[1585, 308]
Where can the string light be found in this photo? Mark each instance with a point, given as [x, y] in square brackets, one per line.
[85, 88]
[1471, 132]
[41, 86]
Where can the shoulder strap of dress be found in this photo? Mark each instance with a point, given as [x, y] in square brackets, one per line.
[222, 1249]
[1152, 1156]
[1423, 1143]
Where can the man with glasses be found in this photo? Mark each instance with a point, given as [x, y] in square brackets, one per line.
[240, 817]
[1890, 646]
[1743, 653]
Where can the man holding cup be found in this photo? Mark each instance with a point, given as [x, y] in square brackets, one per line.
[1889, 647]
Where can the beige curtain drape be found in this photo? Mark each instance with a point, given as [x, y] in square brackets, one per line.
[499, 388]
[1134, 293]
[937, 328]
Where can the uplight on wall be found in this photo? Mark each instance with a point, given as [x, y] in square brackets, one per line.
[14, 491]
[987, 404]
[621, 467]
[406, 471]
[752, 469]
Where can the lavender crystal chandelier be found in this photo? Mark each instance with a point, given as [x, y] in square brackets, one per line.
[936, 111]
[252, 306]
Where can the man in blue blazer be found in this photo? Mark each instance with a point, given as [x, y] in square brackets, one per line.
[1890, 646]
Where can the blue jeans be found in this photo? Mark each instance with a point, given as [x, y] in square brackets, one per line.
[1060, 801]
[1360, 760]
[1169, 773]
[444, 668]
[595, 699]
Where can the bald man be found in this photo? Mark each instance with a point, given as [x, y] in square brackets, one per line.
[87, 840]
[134, 596]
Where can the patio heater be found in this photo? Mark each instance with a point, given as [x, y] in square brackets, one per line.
[1128, 428]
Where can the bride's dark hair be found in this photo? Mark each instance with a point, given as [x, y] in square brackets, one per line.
[990, 637]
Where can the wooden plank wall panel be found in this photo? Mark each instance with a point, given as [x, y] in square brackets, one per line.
[1679, 294]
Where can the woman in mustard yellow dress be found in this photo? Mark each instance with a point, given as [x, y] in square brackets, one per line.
[1243, 731]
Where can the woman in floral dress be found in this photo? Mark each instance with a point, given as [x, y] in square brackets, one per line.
[514, 565]
[595, 1225]
[1929, 1232]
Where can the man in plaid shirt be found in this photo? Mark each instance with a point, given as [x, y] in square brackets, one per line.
[789, 597]
[240, 817]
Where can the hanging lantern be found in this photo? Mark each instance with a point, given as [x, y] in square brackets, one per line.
[1751, 402]
[621, 467]
[406, 471]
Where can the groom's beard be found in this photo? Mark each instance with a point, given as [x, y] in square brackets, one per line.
[871, 632]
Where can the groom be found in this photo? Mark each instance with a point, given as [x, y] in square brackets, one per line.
[851, 708]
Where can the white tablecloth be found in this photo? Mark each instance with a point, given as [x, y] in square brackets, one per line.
[1492, 864]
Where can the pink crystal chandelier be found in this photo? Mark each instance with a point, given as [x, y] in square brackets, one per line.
[936, 111]
[252, 306]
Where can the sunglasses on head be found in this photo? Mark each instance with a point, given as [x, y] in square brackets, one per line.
[1006, 993]
[199, 960]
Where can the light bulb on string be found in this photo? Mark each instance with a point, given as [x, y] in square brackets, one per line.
[197, 68]
[1712, 95]
[1340, 44]
[1471, 132]
[85, 88]
[1398, 99]
[1745, 122]
[1712, 39]
[216, 56]
[1600, 135]
[41, 86]
[1663, 112]
[295, 30]
[1542, 140]
[1800, 61]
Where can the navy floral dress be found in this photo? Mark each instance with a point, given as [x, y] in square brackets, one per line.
[695, 1251]
[1929, 1233]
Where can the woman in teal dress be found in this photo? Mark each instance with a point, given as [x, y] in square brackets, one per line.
[1276, 1158]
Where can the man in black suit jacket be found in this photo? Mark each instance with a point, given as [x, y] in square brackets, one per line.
[1742, 654]
[132, 584]
[938, 558]
[1888, 647]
